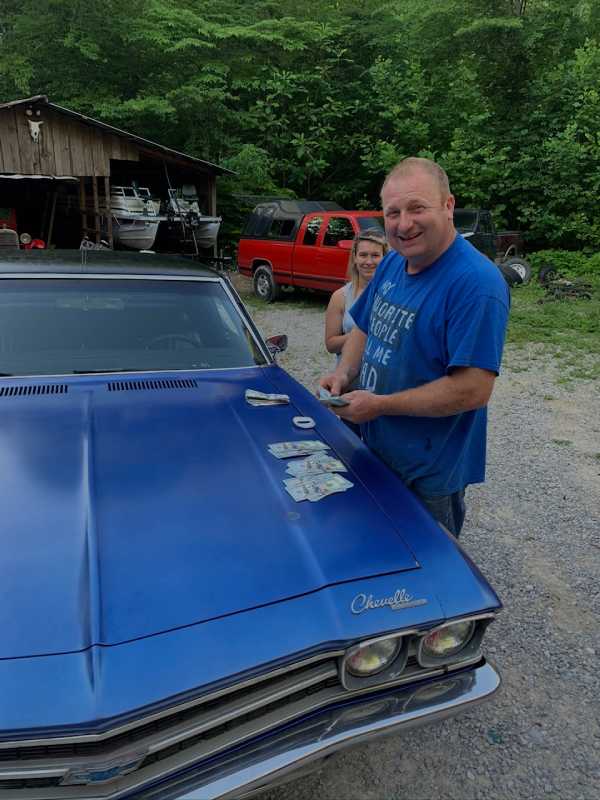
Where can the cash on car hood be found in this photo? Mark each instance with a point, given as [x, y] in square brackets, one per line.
[130, 508]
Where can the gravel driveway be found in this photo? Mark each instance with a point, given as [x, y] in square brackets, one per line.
[534, 530]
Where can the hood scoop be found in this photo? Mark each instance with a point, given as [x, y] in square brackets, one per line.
[37, 389]
[147, 385]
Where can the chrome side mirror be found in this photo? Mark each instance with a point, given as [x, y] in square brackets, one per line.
[277, 344]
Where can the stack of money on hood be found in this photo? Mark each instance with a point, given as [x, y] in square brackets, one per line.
[315, 477]
[256, 398]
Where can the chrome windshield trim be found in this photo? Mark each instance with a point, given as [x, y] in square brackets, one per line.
[139, 375]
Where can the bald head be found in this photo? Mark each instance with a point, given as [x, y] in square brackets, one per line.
[409, 166]
[418, 212]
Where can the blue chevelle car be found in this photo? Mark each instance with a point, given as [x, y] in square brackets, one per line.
[173, 623]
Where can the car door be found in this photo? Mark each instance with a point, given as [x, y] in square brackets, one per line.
[333, 259]
[304, 262]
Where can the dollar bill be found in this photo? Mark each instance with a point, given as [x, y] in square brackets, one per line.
[256, 398]
[329, 399]
[316, 487]
[315, 464]
[301, 448]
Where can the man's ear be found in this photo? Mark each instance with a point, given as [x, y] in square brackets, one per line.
[450, 203]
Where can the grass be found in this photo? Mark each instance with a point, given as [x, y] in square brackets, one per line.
[568, 329]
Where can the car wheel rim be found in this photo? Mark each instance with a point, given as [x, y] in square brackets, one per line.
[520, 270]
[262, 285]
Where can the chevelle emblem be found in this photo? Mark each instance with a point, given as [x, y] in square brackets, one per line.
[399, 600]
[103, 772]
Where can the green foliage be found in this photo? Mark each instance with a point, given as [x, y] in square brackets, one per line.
[320, 100]
[568, 263]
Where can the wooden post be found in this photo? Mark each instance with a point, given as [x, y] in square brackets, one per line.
[212, 196]
[96, 208]
[51, 223]
[212, 203]
[109, 230]
[82, 208]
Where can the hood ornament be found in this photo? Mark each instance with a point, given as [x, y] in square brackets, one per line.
[400, 600]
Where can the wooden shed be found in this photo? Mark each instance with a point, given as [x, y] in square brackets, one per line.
[57, 167]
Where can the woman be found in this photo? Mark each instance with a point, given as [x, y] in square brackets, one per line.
[368, 248]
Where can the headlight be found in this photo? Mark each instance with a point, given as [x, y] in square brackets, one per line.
[449, 640]
[25, 238]
[369, 659]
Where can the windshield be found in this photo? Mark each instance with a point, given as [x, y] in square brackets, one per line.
[465, 221]
[364, 223]
[72, 325]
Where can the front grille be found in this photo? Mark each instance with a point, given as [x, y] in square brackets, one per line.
[208, 725]
[191, 734]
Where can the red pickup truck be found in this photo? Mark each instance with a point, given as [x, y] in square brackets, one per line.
[300, 243]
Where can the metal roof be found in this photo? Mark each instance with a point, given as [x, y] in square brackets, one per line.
[193, 161]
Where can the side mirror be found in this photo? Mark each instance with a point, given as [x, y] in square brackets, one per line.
[345, 244]
[277, 344]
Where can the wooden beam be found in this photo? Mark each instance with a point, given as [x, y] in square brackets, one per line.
[96, 208]
[82, 207]
[212, 196]
[109, 229]
[51, 223]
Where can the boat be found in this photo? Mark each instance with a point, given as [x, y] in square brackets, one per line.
[135, 217]
[183, 207]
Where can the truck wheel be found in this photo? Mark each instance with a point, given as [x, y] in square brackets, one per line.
[520, 266]
[264, 285]
[510, 276]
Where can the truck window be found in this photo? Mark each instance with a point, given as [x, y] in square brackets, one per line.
[312, 230]
[339, 228]
[282, 228]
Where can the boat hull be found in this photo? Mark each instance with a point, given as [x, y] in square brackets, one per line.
[134, 234]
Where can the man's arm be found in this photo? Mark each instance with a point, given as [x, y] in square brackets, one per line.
[349, 365]
[465, 389]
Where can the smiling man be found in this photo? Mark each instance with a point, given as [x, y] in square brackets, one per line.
[427, 344]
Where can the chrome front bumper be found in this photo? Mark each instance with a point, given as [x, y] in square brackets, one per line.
[255, 767]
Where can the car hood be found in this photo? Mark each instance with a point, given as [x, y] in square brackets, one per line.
[139, 506]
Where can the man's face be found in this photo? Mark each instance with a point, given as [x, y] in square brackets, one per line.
[418, 220]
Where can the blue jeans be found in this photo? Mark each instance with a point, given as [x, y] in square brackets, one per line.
[449, 509]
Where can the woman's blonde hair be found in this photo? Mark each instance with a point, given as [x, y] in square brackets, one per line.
[369, 235]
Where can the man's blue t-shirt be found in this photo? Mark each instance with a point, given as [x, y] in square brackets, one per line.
[419, 327]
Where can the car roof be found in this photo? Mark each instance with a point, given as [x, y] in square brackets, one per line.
[100, 262]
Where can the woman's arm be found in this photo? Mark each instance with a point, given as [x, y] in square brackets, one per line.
[334, 319]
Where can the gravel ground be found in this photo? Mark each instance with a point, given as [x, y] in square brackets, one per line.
[534, 530]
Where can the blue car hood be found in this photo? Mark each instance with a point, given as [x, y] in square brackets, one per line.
[128, 510]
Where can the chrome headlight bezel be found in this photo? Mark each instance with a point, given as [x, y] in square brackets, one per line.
[469, 652]
[390, 672]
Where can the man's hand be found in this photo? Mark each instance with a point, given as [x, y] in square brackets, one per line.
[335, 382]
[362, 407]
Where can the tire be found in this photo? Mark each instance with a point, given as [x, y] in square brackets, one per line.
[264, 284]
[546, 274]
[520, 266]
[510, 275]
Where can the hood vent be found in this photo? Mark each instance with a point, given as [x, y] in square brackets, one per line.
[162, 383]
[40, 388]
